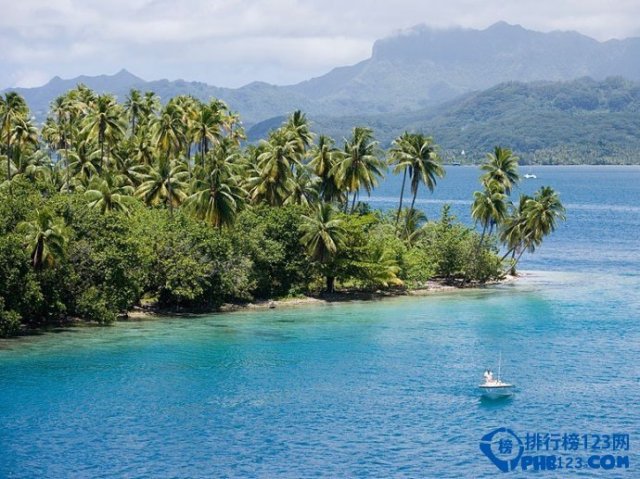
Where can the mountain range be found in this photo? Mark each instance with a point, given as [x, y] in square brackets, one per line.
[412, 70]
[553, 97]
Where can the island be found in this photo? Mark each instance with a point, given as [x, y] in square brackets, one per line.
[112, 206]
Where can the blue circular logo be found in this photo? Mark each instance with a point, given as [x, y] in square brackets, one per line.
[503, 447]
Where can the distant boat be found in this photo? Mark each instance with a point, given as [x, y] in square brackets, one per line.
[494, 388]
[530, 176]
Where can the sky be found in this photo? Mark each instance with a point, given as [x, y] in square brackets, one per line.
[232, 42]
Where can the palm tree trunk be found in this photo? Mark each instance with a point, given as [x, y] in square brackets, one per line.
[66, 155]
[189, 157]
[513, 267]
[512, 252]
[331, 280]
[101, 155]
[484, 231]
[170, 191]
[9, 162]
[404, 179]
[513, 264]
[413, 200]
[37, 254]
[353, 203]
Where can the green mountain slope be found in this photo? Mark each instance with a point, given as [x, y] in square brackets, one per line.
[581, 121]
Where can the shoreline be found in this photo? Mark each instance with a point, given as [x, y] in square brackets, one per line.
[346, 296]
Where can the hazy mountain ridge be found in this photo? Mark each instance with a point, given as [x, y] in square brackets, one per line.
[256, 99]
[415, 69]
[426, 66]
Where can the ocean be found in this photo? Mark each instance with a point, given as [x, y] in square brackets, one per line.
[365, 389]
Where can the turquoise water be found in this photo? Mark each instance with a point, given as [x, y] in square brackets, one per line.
[370, 389]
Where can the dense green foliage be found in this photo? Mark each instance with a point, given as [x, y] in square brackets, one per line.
[112, 205]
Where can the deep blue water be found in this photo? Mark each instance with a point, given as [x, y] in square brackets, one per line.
[367, 389]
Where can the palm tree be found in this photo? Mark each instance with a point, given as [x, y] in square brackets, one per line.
[188, 108]
[33, 166]
[51, 134]
[217, 197]
[323, 237]
[104, 122]
[535, 219]
[324, 158]
[45, 238]
[513, 233]
[489, 207]
[12, 109]
[83, 162]
[59, 129]
[297, 126]
[276, 161]
[168, 130]
[83, 97]
[107, 195]
[401, 162]
[133, 107]
[232, 125]
[501, 166]
[166, 183]
[206, 127]
[24, 133]
[24, 141]
[414, 221]
[304, 189]
[142, 147]
[543, 211]
[383, 269]
[416, 154]
[426, 165]
[360, 166]
[150, 106]
[125, 168]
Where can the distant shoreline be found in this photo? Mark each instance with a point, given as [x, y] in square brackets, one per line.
[541, 165]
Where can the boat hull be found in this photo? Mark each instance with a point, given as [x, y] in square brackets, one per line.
[495, 392]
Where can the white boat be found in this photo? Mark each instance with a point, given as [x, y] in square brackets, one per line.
[494, 387]
[530, 176]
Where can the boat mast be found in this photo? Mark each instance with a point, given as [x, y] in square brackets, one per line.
[499, 364]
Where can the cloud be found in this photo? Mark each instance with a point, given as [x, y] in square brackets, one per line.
[231, 42]
[30, 78]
